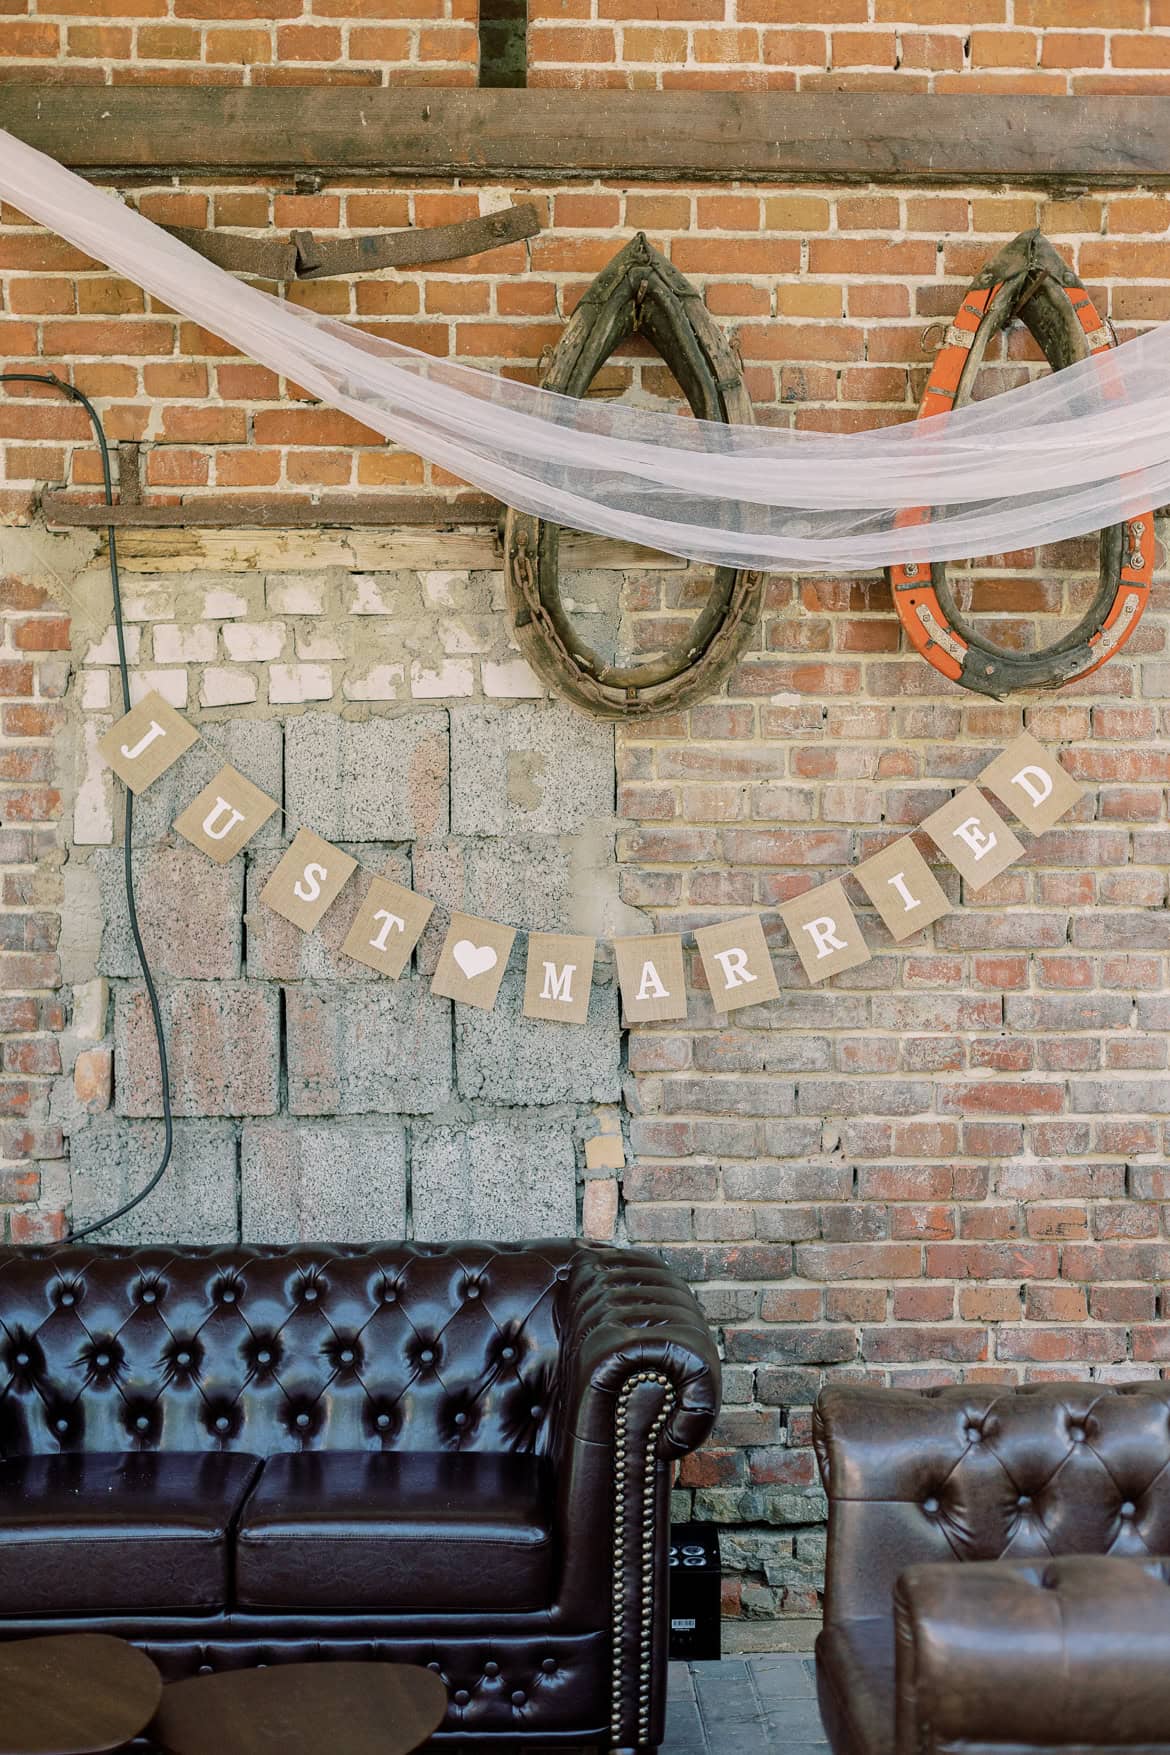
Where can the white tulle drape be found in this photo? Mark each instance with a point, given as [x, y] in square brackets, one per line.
[1063, 455]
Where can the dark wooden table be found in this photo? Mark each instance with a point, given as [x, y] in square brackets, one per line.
[73, 1694]
[324, 1708]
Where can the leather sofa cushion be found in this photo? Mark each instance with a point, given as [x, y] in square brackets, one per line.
[144, 1532]
[397, 1531]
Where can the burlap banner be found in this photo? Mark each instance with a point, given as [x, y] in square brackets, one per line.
[736, 962]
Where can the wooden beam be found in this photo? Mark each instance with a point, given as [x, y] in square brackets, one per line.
[714, 136]
[219, 512]
[287, 549]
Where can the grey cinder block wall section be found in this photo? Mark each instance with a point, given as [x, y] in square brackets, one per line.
[312, 1098]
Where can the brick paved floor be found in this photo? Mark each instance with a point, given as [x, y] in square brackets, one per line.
[760, 1705]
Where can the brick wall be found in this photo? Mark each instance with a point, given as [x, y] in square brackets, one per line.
[825, 292]
[34, 670]
[240, 42]
[913, 45]
[815, 45]
[951, 1162]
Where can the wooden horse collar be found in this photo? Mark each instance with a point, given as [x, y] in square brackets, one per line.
[1030, 281]
[639, 292]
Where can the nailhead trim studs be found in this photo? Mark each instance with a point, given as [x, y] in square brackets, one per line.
[646, 1607]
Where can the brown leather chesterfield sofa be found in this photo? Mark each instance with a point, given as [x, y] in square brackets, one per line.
[1054, 1632]
[454, 1455]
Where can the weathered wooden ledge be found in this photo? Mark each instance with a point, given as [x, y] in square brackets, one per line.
[868, 136]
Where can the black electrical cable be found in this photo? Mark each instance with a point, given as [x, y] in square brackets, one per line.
[78, 396]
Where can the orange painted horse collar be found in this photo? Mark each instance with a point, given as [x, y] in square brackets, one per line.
[1028, 280]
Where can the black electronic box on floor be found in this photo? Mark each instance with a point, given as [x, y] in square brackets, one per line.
[694, 1591]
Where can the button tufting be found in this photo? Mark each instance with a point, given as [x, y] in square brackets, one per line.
[518, 1697]
[223, 1424]
[461, 1418]
[182, 1358]
[491, 1669]
[433, 1666]
[68, 1299]
[346, 1355]
[548, 1665]
[930, 1505]
[1076, 1433]
[974, 1434]
[310, 1294]
[205, 1670]
[382, 1421]
[142, 1424]
[264, 1357]
[427, 1356]
[536, 1411]
[461, 1697]
[1024, 1502]
[22, 1359]
[227, 1296]
[508, 1353]
[102, 1361]
[1128, 1508]
[302, 1421]
[473, 1290]
[149, 1295]
[60, 1425]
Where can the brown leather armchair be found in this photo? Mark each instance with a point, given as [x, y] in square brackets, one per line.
[1054, 1632]
[456, 1455]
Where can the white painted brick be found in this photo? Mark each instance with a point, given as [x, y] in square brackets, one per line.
[381, 682]
[254, 642]
[317, 643]
[289, 683]
[105, 650]
[95, 690]
[53, 673]
[439, 588]
[227, 688]
[513, 679]
[455, 677]
[170, 684]
[469, 633]
[221, 605]
[369, 597]
[295, 596]
[175, 645]
[154, 605]
[91, 1001]
[93, 807]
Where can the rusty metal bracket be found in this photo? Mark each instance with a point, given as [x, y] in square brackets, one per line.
[304, 256]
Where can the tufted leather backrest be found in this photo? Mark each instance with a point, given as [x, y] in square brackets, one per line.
[970, 1473]
[391, 1346]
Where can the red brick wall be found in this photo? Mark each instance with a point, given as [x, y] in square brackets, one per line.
[826, 293]
[240, 42]
[809, 45]
[34, 671]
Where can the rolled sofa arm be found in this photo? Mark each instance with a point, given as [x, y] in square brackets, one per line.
[628, 1314]
[639, 1387]
[1040, 1654]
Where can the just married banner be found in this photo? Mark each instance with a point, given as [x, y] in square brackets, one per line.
[825, 932]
